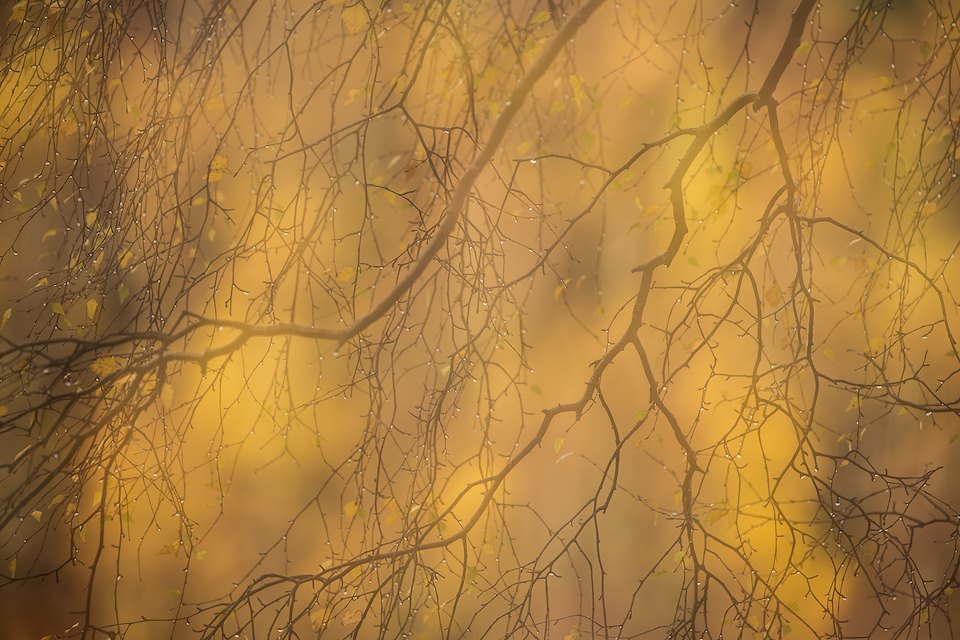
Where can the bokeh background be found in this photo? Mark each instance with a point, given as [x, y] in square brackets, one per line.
[174, 173]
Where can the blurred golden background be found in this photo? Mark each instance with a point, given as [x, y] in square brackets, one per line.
[252, 386]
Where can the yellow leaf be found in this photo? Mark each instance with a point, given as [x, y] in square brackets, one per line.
[579, 94]
[49, 233]
[200, 555]
[91, 309]
[881, 81]
[215, 175]
[104, 366]
[352, 616]
[355, 18]
[625, 179]
[347, 274]
[317, 617]
[56, 307]
[714, 516]
[558, 444]
[36, 515]
[13, 567]
[391, 515]
[166, 395]
[773, 295]
[352, 96]
[472, 573]
[123, 292]
[214, 104]
[91, 217]
[350, 509]
[57, 499]
[573, 634]
[6, 316]
[169, 549]
[18, 12]
[645, 210]
[218, 162]
[540, 18]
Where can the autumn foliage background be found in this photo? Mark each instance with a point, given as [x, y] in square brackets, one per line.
[568, 419]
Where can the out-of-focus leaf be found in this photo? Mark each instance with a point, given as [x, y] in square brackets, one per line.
[318, 618]
[354, 18]
[352, 616]
[104, 366]
[350, 509]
